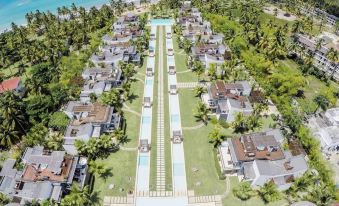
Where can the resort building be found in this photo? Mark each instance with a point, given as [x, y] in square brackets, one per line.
[99, 80]
[228, 99]
[210, 54]
[45, 175]
[321, 61]
[88, 120]
[325, 128]
[259, 158]
[14, 85]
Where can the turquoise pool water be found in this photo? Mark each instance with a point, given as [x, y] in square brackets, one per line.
[175, 118]
[162, 22]
[143, 160]
[15, 10]
[146, 120]
[170, 60]
[178, 169]
[149, 82]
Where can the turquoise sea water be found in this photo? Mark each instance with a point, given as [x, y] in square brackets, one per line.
[15, 10]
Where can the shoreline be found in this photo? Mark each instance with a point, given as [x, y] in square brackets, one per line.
[4, 27]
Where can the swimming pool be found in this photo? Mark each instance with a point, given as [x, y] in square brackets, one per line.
[170, 60]
[143, 160]
[175, 118]
[146, 120]
[178, 169]
[149, 82]
[161, 22]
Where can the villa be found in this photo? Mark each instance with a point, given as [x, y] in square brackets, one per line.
[320, 54]
[211, 54]
[46, 175]
[14, 85]
[99, 80]
[226, 100]
[88, 120]
[259, 158]
[127, 20]
[325, 128]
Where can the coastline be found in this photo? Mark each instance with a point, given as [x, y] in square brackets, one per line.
[5, 25]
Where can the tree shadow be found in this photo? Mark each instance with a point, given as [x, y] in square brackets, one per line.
[132, 97]
[95, 199]
[108, 173]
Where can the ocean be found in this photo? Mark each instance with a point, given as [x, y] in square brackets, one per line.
[15, 10]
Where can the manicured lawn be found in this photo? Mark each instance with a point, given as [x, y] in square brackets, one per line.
[201, 170]
[123, 167]
[188, 104]
[231, 200]
[181, 66]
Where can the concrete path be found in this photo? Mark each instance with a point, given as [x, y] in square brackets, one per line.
[194, 127]
[160, 184]
[191, 84]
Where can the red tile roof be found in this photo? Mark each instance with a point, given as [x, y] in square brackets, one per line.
[10, 84]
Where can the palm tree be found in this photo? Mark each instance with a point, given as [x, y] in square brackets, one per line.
[97, 168]
[215, 137]
[77, 197]
[54, 142]
[8, 134]
[201, 112]
[199, 90]
[212, 71]
[254, 122]
[239, 124]
[198, 68]
[322, 102]
[187, 46]
[119, 135]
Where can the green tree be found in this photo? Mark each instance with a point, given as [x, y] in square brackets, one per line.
[243, 191]
[4, 199]
[58, 121]
[199, 90]
[240, 124]
[54, 141]
[8, 135]
[77, 197]
[322, 102]
[269, 192]
[111, 98]
[215, 137]
[201, 112]
[36, 135]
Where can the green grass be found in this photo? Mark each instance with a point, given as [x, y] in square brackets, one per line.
[231, 200]
[181, 66]
[199, 155]
[188, 104]
[123, 167]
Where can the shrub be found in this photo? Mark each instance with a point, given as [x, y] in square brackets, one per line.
[243, 191]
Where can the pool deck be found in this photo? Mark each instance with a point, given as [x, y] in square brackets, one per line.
[178, 157]
[143, 163]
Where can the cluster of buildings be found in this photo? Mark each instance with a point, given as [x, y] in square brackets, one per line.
[118, 45]
[321, 61]
[41, 175]
[320, 14]
[325, 128]
[208, 46]
[260, 158]
[227, 99]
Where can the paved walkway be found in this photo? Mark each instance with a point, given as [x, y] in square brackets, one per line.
[160, 119]
[194, 127]
[186, 71]
[191, 84]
